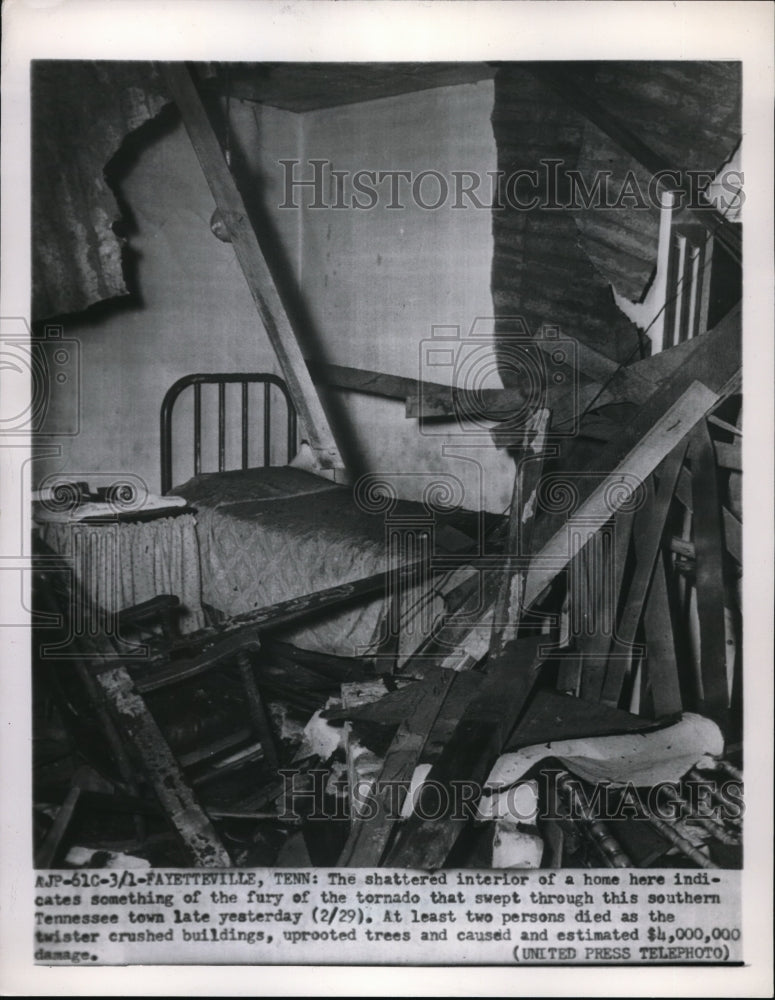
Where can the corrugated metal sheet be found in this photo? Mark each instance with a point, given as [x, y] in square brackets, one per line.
[82, 112]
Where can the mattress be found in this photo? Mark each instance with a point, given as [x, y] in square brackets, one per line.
[271, 534]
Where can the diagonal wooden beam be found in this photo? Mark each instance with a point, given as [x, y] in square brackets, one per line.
[254, 266]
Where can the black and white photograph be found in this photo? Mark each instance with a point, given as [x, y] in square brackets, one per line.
[387, 457]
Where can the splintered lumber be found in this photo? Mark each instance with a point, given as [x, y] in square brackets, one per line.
[604, 501]
[47, 851]
[709, 573]
[254, 266]
[368, 840]
[136, 723]
[610, 554]
[650, 528]
[435, 401]
[664, 420]
[524, 506]
[661, 662]
[637, 382]
[465, 761]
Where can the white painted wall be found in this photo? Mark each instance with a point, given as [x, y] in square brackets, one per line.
[376, 281]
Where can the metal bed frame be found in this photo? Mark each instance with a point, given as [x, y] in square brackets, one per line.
[222, 379]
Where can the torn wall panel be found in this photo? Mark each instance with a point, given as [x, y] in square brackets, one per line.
[82, 112]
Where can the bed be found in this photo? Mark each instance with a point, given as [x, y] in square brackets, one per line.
[271, 532]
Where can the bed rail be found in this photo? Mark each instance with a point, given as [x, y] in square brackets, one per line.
[222, 379]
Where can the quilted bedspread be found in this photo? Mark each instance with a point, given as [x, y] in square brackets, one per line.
[267, 535]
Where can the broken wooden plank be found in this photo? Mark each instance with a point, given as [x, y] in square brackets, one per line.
[637, 382]
[649, 530]
[254, 266]
[729, 456]
[443, 401]
[522, 512]
[709, 574]
[594, 650]
[733, 535]
[44, 856]
[661, 662]
[182, 809]
[367, 841]
[710, 373]
[466, 759]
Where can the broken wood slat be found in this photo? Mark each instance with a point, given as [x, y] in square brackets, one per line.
[368, 840]
[649, 530]
[661, 673]
[599, 367]
[245, 628]
[136, 723]
[437, 401]
[522, 512]
[421, 398]
[667, 431]
[729, 456]
[733, 529]
[363, 380]
[254, 266]
[44, 856]
[594, 650]
[147, 680]
[709, 573]
[363, 764]
[477, 741]
[733, 535]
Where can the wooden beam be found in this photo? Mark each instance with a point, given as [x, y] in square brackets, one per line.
[254, 266]
[136, 723]
[709, 574]
[649, 529]
[368, 840]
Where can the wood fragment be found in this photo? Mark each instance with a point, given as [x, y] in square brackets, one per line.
[367, 841]
[468, 756]
[44, 856]
[709, 575]
[137, 725]
[649, 529]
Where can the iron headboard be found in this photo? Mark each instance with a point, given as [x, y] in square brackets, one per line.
[221, 379]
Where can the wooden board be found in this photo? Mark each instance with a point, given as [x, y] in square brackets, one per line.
[467, 757]
[649, 530]
[138, 726]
